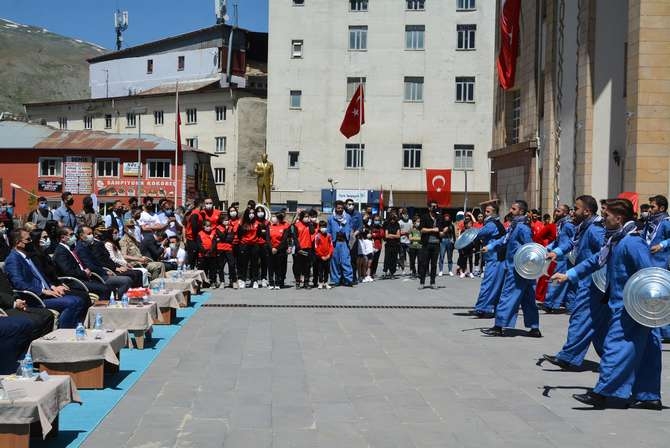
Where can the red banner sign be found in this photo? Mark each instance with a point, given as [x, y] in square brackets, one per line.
[128, 187]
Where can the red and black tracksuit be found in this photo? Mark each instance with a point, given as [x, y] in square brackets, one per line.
[280, 238]
[248, 251]
[323, 248]
[206, 242]
[225, 236]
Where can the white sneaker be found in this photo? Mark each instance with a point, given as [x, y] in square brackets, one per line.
[440, 274]
[264, 283]
[451, 274]
[328, 286]
[462, 275]
[320, 286]
[255, 285]
[471, 275]
[369, 279]
[242, 285]
[271, 287]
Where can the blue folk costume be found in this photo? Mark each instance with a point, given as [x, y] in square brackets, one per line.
[657, 231]
[630, 365]
[339, 228]
[494, 267]
[561, 294]
[516, 289]
[590, 317]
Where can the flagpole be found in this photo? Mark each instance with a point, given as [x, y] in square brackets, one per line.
[176, 147]
[360, 139]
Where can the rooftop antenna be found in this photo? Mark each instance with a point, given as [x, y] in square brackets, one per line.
[120, 25]
[230, 45]
[221, 9]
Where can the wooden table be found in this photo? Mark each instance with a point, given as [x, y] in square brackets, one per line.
[168, 302]
[137, 319]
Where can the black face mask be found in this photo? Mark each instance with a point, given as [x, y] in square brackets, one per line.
[69, 202]
[280, 217]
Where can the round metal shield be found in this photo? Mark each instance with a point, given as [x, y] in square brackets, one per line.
[468, 237]
[530, 261]
[572, 255]
[646, 297]
[600, 278]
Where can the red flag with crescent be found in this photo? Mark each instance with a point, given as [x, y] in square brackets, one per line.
[438, 187]
[509, 42]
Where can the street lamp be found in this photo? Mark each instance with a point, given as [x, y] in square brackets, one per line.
[138, 111]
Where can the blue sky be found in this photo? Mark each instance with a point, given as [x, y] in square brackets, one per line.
[93, 20]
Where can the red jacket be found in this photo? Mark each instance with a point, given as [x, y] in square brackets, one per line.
[205, 243]
[323, 245]
[212, 216]
[304, 235]
[234, 225]
[378, 235]
[277, 233]
[262, 236]
[189, 232]
[223, 243]
[248, 235]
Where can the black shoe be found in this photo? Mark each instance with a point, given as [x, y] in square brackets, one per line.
[558, 362]
[349, 285]
[555, 310]
[592, 399]
[534, 333]
[494, 331]
[665, 341]
[473, 312]
[484, 315]
[652, 405]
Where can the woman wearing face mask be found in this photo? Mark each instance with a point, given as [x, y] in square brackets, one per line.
[247, 233]
[234, 223]
[88, 216]
[224, 250]
[41, 214]
[280, 239]
[206, 241]
[111, 239]
[4, 242]
[263, 241]
[378, 233]
[192, 225]
[303, 230]
[323, 251]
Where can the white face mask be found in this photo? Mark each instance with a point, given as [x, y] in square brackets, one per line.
[233, 214]
[45, 243]
[323, 230]
[209, 206]
[173, 246]
[89, 238]
[251, 216]
[274, 220]
[260, 215]
[72, 240]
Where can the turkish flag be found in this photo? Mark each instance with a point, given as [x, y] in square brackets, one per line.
[355, 115]
[381, 201]
[633, 197]
[438, 187]
[509, 42]
[178, 131]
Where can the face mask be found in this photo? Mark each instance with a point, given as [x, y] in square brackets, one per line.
[72, 240]
[207, 229]
[119, 211]
[377, 223]
[45, 243]
[274, 220]
[169, 212]
[405, 217]
[323, 230]
[89, 238]
[173, 246]
[3, 231]
[645, 215]
[260, 215]
[209, 206]
[69, 202]
[225, 223]
[233, 214]
[43, 205]
[312, 219]
[251, 216]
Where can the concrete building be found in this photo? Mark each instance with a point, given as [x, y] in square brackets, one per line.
[136, 87]
[590, 108]
[427, 67]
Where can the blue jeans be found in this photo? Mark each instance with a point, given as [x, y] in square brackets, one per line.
[71, 309]
[446, 247]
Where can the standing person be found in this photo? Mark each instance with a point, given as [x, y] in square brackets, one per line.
[545, 237]
[414, 246]
[6, 215]
[516, 289]
[314, 220]
[464, 262]
[132, 208]
[209, 212]
[89, 216]
[392, 246]
[323, 250]
[657, 235]
[536, 224]
[171, 221]
[430, 227]
[560, 296]
[247, 233]
[630, 366]
[356, 224]
[477, 223]
[280, 240]
[377, 234]
[115, 218]
[448, 234]
[206, 241]
[234, 223]
[224, 250]
[148, 221]
[41, 214]
[405, 229]
[192, 226]
[364, 257]
[263, 241]
[303, 231]
[494, 266]
[64, 214]
[589, 317]
[339, 228]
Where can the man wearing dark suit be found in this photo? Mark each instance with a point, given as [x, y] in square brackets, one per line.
[88, 259]
[152, 245]
[69, 264]
[14, 341]
[24, 275]
[101, 254]
[41, 319]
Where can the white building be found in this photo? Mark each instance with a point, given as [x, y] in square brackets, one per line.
[428, 69]
[137, 86]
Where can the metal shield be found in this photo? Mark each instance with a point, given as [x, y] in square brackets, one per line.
[572, 255]
[600, 278]
[531, 262]
[468, 237]
[646, 297]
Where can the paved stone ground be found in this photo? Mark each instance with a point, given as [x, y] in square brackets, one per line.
[348, 378]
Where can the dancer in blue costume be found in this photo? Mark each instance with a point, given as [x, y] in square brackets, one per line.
[656, 233]
[561, 295]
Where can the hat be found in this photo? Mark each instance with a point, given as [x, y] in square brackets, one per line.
[460, 215]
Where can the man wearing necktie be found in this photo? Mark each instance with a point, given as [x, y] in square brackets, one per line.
[24, 275]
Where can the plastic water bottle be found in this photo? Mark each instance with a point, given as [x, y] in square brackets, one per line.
[124, 301]
[80, 332]
[98, 321]
[112, 300]
[28, 366]
[161, 285]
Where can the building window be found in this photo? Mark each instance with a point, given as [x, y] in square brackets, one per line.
[158, 117]
[158, 169]
[466, 5]
[465, 89]
[51, 167]
[514, 123]
[107, 167]
[130, 120]
[88, 122]
[150, 66]
[108, 121]
[220, 113]
[220, 145]
[411, 156]
[181, 62]
[416, 5]
[191, 116]
[192, 142]
[354, 155]
[466, 36]
[296, 99]
[352, 85]
[358, 5]
[414, 88]
[298, 2]
[62, 122]
[358, 37]
[296, 49]
[219, 176]
[463, 157]
[414, 37]
[293, 158]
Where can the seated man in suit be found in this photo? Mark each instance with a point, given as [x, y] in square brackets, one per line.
[102, 254]
[41, 319]
[90, 261]
[14, 341]
[69, 264]
[153, 245]
[24, 275]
